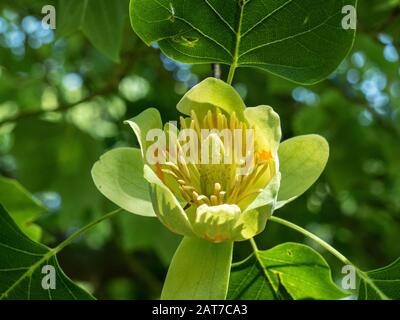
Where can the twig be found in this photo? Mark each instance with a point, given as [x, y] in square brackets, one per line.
[216, 70]
[110, 86]
[61, 108]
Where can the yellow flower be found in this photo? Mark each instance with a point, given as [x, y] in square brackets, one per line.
[228, 194]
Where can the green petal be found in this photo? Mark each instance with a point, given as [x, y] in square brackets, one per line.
[119, 176]
[217, 223]
[142, 123]
[267, 126]
[269, 195]
[166, 205]
[253, 222]
[302, 160]
[199, 271]
[255, 217]
[211, 94]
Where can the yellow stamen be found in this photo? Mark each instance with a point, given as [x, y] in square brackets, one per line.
[221, 183]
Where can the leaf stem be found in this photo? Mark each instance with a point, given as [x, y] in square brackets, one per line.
[253, 245]
[234, 64]
[232, 70]
[333, 251]
[86, 228]
[312, 236]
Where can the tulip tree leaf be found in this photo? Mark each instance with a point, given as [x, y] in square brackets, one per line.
[301, 40]
[302, 160]
[199, 270]
[22, 206]
[287, 271]
[387, 279]
[119, 176]
[21, 263]
[102, 22]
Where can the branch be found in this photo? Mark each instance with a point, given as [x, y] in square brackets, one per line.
[216, 70]
[109, 87]
[62, 108]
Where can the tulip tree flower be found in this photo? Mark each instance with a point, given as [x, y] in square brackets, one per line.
[211, 205]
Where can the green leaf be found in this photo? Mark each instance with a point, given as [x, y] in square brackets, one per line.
[102, 21]
[119, 176]
[22, 206]
[199, 271]
[289, 270]
[387, 279]
[302, 160]
[21, 263]
[301, 40]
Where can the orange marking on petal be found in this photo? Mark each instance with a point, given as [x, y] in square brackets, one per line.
[159, 172]
[265, 155]
[215, 239]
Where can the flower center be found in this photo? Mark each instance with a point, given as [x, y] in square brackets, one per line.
[216, 161]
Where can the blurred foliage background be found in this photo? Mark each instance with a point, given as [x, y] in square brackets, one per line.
[64, 94]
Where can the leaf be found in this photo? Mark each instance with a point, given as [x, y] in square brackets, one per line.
[289, 270]
[301, 40]
[22, 206]
[102, 21]
[387, 279]
[199, 271]
[21, 263]
[302, 160]
[119, 176]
